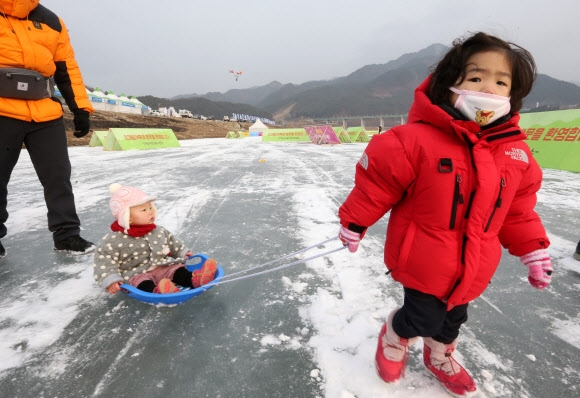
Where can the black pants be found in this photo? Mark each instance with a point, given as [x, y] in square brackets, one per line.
[47, 147]
[181, 277]
[426, 316]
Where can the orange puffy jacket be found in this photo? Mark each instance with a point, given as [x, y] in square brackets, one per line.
[33, 37]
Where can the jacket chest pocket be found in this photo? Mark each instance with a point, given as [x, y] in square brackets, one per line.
[506, 189]
[441, 194]
[457, 191]
[457, 200]
[497, 204]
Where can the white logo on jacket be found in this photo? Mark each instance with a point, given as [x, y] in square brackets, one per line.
[364, 161]
[518, 154]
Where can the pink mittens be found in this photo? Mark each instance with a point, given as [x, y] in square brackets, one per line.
[540, 268]
[349, 238]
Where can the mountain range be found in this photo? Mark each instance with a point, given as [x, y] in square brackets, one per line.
[377, 89]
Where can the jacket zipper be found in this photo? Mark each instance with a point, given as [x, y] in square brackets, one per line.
[457, 200]
[497, 203]
[458, 281]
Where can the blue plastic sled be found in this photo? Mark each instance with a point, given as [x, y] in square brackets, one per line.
[175, 298]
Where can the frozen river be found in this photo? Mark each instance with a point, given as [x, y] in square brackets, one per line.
[306, 331]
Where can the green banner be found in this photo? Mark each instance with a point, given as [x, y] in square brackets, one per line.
[342, 134]
[357, 134]
[285, 135]
[120, 139]
[554, 138]
[98, 138]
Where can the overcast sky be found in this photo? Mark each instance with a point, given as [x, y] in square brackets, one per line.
[188, 46]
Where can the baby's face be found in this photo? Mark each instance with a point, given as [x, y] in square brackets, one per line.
[142, 214]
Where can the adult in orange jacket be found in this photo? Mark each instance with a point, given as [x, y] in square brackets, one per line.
[460, 182]
[35, 54]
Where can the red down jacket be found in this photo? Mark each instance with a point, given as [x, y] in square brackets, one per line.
[455, 194]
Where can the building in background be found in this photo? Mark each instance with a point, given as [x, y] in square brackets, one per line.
[109, 101]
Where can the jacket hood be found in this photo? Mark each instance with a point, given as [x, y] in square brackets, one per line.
[18, 8]
[424, 111]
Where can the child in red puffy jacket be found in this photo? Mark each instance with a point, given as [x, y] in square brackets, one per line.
[460, 183]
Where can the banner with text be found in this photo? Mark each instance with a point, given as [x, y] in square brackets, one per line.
[285, 135]
[554, 138]
[342, 134]
[98, 138]
[122, 139]
[322, 134]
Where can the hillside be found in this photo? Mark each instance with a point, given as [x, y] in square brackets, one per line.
[207, 107]
[183, 128]
[377, 89]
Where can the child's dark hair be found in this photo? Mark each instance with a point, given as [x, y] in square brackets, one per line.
[451, 69]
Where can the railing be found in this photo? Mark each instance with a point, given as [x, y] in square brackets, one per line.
[343, 119]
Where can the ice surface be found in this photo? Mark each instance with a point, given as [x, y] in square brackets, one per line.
[306, 331]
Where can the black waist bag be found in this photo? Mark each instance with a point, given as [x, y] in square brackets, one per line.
[25, 84]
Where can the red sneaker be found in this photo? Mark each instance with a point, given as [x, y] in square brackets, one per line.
[389, 371]
[165, 286]
[392, 352]
[204, 275]
[439, 360]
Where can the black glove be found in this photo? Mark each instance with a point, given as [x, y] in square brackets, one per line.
[81, 122]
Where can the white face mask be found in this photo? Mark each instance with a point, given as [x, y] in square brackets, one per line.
[482, 108]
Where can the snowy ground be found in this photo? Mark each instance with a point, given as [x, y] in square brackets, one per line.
[306, 331]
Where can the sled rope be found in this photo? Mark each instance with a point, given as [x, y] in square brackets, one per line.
[279, 259]
[275, 261]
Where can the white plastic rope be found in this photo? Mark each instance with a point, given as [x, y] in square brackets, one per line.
[279, 267]
[279, 259]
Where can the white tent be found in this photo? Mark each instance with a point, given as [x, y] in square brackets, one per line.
[134, 100]
[112, 95]
[257, 128]
[128, 106]
[97, 98]
[144, 109]
[112, 102]
[98, 93]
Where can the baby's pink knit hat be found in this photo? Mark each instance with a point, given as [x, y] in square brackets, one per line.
[123, 198]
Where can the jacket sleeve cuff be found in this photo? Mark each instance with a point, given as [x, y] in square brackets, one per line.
[354, 228]
[184, 252]
[528, 247]
[105, 283]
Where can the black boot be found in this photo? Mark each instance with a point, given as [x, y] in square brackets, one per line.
[2, 250]
[576, 254]
[74, 244]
